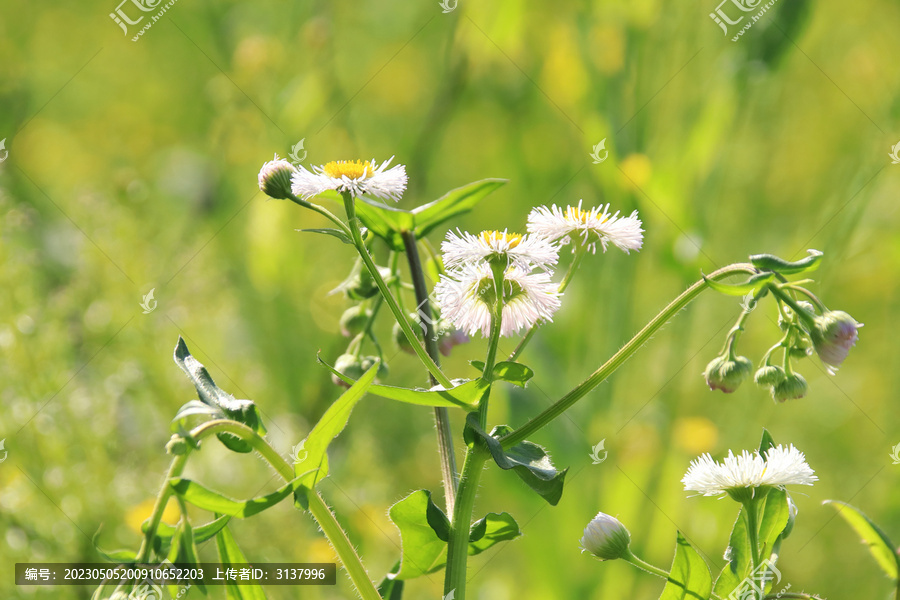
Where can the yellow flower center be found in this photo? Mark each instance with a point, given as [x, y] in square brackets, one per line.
[576, 214]
[492, 237]
[354, 169]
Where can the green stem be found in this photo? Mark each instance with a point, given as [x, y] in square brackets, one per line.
[449, 474]
[607, 369]
[458, 547]
[752, 532]
[401, 317]
[798, 310]
[333, 531]
[490, 360]
[176, 468]
[322, 211]
[645, 566]
[573, 266]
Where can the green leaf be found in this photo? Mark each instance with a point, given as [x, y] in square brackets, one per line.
[772, 517]
[770, 262]
[116, 556]
[314, 466]
[205, 498]
[753, 284]
[165, 532]
[689, 576]
[385, 221]
[189, 552]
[330, 231]
[512, 372]
[452, 204]
[465, 394]
[243, 411]
[528, 460]
[391, 589]
[424, 532]
[492, 529]
[880, 546]
[229, 552]
[766, 442]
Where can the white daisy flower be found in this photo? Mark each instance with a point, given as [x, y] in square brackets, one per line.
[466, 295]
[358, 177]
[778, 467]
[587, 226]
[523, 251]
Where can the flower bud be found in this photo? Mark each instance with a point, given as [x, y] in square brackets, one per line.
[834, 333]
[785, 318]
[450, 338]
[801, 348]
[353, 366]
[793, 386]
[275, 178]
[400, 338]
[769, 375]
[354, 320]
[349, 365]
[606, 538]
[725, 374]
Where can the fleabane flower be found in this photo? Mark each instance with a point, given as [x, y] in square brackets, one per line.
[356, 177]
[466, 296]
[512, 249]
[587, 227]
[740, 476]
[275, 178]
[606, 538]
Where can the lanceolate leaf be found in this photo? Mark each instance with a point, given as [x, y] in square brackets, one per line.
[770, 262]
[117, 556]
[314, 465]
[388, 222]
[689, 577]
[391, 589]
[752, 284]
[490, 530]
[452, 204]
[465, 394]
[229, 552]
[207, 499]
[512, 372]
[243, 411]
[528, 460]
[164, 532]
[332, 232]
[881, 547]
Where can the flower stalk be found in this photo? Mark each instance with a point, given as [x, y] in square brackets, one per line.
[630, 347]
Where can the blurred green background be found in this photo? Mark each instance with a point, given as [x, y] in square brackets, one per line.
[132, 166]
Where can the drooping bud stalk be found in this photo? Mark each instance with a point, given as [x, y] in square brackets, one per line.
[606, 538]
[275, 178]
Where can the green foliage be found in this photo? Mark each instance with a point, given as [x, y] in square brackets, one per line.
[528, 460]
[880, 546]
[218, 403]
[229, 552]
[425, 531]
[207, 499]
[689, 576]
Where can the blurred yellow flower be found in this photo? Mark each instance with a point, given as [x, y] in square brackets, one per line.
[637, 169]
[696, 435]
[139, 513]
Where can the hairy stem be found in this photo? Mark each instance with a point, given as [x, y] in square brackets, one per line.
[449, 474]
[401, 317]
[458, 547]
[333, 531]
[630, 347]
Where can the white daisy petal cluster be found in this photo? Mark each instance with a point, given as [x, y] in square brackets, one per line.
[523, 251]
[778, 467]
[587, 227]
[357, 177]
[466, 296]
[466, 293]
